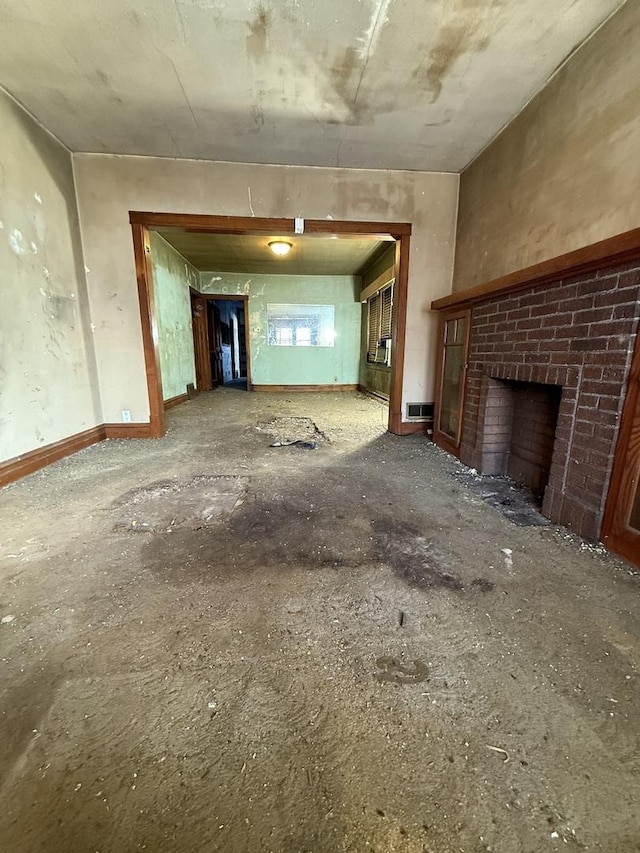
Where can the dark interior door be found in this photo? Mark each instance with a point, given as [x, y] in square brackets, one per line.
[621, 526]
[215, 345]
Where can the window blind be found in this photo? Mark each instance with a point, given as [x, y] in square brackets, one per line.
[374, 327]
[385, 312]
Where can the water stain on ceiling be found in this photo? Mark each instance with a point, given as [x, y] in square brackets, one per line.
[390, 84]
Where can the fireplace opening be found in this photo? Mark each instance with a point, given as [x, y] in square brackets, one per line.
[533, 432]
[519, 432]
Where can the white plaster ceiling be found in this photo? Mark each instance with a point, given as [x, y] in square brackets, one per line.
[394, 84]
[251, 253]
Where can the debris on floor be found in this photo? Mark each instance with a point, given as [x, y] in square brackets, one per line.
[515, 502]
[300, 443]
[167, 505]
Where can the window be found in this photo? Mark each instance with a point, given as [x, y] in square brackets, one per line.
[380, 313]
[386, 307]
[374, 327]
[300, 325]
[303, 336]
[284, 336]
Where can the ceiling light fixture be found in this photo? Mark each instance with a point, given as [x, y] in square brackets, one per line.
[280, 247]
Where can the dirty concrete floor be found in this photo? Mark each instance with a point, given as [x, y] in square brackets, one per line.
[222, 646]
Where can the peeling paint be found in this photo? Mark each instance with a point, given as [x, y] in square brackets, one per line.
[37, 198]
[15, 242]
[369, 41]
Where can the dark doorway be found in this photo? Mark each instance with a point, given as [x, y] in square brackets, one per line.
[228, 342]
[220, 342]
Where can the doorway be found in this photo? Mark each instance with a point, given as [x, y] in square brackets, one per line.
[142, 222]
[220, 342]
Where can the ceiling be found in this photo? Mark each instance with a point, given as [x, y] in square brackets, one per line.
[392, 84]
[251, 253]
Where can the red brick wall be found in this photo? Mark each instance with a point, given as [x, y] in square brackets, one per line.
[576, 333]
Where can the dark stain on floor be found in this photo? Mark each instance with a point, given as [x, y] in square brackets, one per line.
[418, 560]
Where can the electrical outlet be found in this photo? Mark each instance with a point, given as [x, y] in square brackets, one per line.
[126, 416]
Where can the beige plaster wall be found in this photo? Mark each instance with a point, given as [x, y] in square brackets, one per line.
[48, 387]
[566, 172]
[110, 186]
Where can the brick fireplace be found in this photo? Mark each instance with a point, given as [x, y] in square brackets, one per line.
[547, 372]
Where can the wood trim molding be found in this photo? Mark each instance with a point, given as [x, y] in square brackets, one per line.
[413, 427]
[28, 463]
[175, 401]
[398, 333]
[137, 430]
[610, 252]
[146, 297]
[386, 278]
[213, 224]
[381, 398]
[371, 229]
[308, 388]
[266, 225]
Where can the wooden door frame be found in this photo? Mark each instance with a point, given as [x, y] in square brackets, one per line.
[621, 484]
[237, 297]
[142, 222]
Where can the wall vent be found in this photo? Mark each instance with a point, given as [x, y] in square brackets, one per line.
[420, 411]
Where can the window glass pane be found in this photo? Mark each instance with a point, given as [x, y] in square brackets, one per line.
[450, 331]
[461, 330]
[303, 336]
[451, 379]
[290, 325]
[284, 336]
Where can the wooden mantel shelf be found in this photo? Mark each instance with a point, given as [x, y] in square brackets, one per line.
[610, 252]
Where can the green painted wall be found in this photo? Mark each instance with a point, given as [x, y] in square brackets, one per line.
[272, 365]
[172, 275]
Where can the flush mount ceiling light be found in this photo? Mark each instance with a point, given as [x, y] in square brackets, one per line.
[280, 247]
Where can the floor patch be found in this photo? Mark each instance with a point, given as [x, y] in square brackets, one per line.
[287, 430]
[168, 505]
